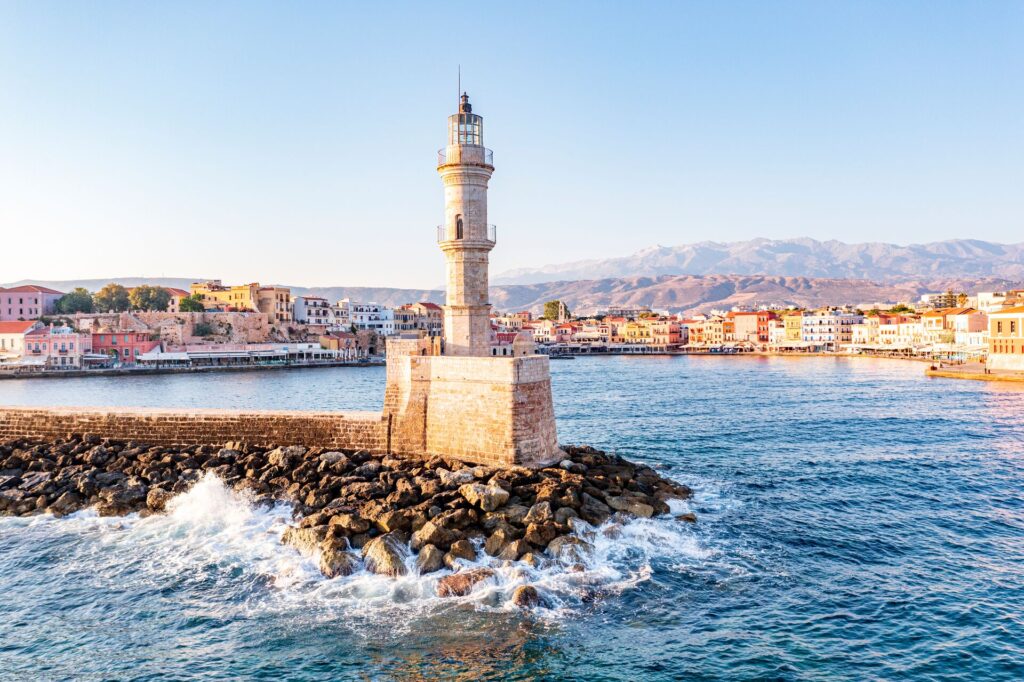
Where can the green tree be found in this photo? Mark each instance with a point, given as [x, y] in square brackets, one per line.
[113, 298]
[202, 329]
[551, 309]
[145, 297]
[901, 308]
[77, 301]
[191, 304]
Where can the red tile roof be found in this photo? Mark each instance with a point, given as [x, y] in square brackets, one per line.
[17, 326]
[33, 288]
[177, 292]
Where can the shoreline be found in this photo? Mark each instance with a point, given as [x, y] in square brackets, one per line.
[150, 371]
[754, 354]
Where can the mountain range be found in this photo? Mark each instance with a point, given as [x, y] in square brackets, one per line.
[970, 258]
[678, 293]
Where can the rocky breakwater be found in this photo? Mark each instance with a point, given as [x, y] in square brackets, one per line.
[354, 510]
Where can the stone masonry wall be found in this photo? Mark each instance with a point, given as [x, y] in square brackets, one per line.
[341, 430]
[487, 410]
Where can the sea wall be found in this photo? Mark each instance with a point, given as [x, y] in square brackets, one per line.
[339, 430]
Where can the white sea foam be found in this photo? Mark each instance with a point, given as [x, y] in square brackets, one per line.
[214, 533]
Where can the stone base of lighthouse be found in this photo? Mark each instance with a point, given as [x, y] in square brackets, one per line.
[484, 410]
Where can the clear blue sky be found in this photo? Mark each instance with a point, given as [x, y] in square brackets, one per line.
[295, 142]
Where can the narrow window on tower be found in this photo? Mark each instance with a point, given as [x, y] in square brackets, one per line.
[458, 227]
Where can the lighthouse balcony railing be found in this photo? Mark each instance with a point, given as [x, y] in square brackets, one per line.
[465, 154]
[443, 234]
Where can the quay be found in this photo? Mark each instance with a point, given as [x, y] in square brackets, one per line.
[206, 369]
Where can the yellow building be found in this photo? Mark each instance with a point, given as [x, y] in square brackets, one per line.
[1006, 339]
[216, 296]
[791, 322]
[637, 332]
[275, 302]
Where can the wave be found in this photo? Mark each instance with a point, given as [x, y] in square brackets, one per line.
[213, 533]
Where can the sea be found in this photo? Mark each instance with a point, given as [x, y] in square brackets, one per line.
[856, 521]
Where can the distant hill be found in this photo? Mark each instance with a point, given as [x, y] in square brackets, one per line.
[672, 292]
[795, 258]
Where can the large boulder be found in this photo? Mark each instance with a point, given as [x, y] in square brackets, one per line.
[594, 511]
[336, 562]
[430, 559]
[631, 505]
[526, 596]
[539, 513]
[157, 498]
[121, 499]
[433, 533]
[68, 503]
[350, 522]
[486, 497]
[385, 555]
[540, 534]
[462, 583]
[451, 479]
[497, 541]
[570, 549]
[286, 457]
[306, 540]
[514, 550]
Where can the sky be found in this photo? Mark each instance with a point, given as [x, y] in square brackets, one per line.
[295, 143]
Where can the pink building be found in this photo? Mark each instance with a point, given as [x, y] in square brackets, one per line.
[28, 302]
[124, 347]
[56, 347]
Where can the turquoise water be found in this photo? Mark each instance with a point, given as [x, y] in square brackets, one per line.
[857, 521]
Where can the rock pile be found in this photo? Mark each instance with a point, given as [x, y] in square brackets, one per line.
[355, 509]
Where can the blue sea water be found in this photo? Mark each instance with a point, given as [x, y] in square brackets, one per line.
[857, 521]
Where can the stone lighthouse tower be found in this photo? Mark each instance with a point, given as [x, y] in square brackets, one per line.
[474, 403]
[465, 237]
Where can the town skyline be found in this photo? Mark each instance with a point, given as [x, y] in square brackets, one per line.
[279, 136]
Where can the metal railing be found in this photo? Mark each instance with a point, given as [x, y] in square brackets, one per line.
[470, 154]
[442, 234]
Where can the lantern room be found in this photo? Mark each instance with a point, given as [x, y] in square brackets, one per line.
[465, 127]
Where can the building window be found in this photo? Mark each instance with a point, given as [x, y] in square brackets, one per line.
[458, 227]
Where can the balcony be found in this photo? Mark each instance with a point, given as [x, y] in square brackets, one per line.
[465, 154]
[442, 235]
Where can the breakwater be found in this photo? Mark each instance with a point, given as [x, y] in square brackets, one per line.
[354, 509]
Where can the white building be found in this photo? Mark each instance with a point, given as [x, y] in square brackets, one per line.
[313, 311]
[829, 328]
[373, 317]
[338, 319]
[12, 338]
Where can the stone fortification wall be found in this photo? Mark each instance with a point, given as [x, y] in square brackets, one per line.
[488, 410]
[341, 430]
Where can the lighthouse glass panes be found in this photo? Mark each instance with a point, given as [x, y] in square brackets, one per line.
[465, 129]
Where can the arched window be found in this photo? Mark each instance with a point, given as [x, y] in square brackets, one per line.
[458, 227]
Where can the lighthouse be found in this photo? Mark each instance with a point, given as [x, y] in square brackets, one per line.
[465, 237]
[468, 401]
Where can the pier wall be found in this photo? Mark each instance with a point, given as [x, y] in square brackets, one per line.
[340, 430]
